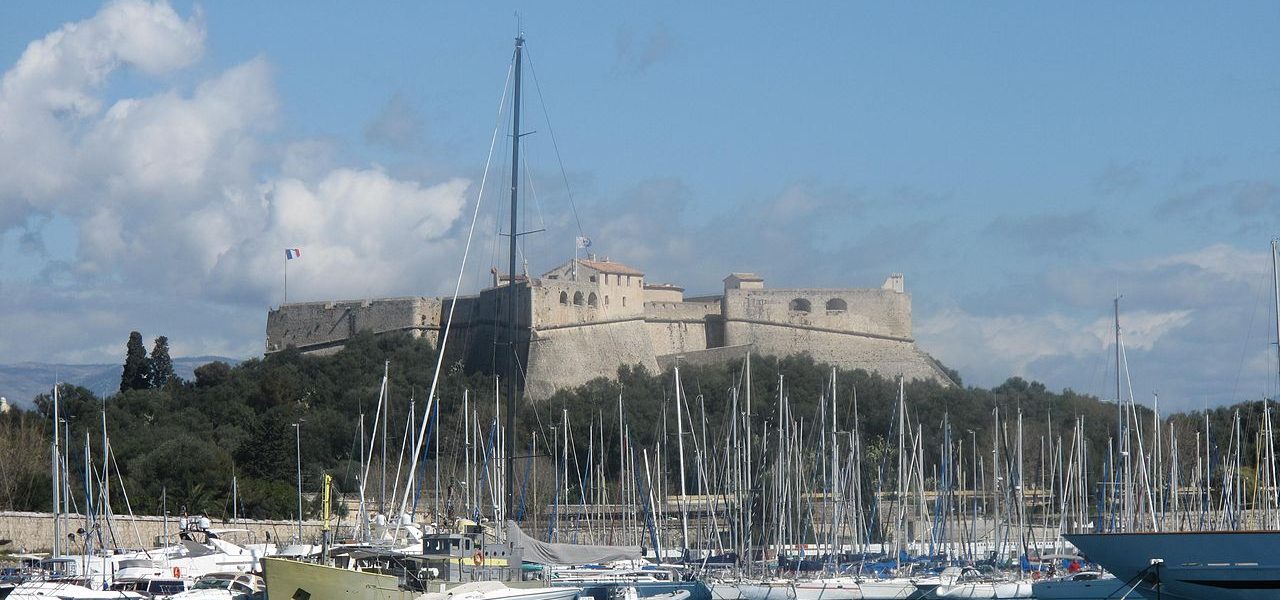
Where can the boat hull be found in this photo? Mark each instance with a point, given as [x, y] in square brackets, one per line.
[293, 579]
[1086, 589]
[1202, 565]
[659, 590]
[1002, 589]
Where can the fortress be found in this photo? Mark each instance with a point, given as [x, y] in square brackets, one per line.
[587, 317]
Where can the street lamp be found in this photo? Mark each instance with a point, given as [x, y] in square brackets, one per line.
[297, 436]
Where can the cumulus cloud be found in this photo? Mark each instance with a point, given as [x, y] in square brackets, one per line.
[352, 227]
[1190, 322]
[182, 201]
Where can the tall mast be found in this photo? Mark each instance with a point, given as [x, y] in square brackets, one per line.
[57, 478]
[1275, 279]
[512, 292]
[684, 516]
[1121, 495]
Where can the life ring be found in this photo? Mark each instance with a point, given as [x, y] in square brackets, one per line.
[478, 558]
[177, 572]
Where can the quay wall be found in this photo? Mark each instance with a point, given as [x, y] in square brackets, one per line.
[33, 531]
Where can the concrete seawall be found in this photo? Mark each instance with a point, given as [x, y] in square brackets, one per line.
[33, 532]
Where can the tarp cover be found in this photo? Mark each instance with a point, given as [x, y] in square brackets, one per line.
[567, 554]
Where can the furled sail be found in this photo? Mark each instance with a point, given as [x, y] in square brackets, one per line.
[567, 554]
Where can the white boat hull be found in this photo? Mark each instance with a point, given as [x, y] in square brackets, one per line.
[1101, 588]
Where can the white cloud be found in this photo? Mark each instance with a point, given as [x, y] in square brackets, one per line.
[183, 202]
[53, 87]
[1005, 345]
[360, 231]
[1190, 322]
[1141, 329]
[1220, 261]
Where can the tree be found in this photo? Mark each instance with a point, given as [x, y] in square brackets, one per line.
[135, 365]
[212, 374]
[160, 367]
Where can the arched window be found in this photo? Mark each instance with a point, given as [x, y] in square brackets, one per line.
[591, 300]
[800, 305]
[837, 304]
[564, 297]
[577, 298]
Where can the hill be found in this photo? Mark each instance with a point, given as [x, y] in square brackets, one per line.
[187, 441]
[20, 383]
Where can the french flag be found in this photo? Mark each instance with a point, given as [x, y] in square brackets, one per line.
[292, 253]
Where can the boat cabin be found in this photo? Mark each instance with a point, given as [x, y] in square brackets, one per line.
[469, 557]
[150, 586]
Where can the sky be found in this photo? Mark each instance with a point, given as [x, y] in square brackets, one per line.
[1022, 164]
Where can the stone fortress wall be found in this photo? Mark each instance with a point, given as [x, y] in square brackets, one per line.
[586, 318]
[323, 327]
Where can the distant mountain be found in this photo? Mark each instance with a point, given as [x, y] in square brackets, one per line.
[21, 383]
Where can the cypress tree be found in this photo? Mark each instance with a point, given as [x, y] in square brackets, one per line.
[160, 367]
[135, 365]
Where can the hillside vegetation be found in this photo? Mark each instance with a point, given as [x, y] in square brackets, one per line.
[180, 444]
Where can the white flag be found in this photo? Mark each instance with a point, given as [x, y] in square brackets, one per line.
[584, 242]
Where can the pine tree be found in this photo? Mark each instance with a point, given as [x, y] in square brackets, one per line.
[160, 367]
[135, 365]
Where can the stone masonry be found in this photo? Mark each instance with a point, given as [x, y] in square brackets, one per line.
[586, 318]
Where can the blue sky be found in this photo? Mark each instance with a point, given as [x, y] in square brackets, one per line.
[1021, 163]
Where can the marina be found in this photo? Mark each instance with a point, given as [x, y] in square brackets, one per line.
[592, 434]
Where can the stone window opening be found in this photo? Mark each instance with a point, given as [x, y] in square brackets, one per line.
[593, 279]
[564, 297]
[837, 305]
[577, 298]
[591, 300]
[624, 301]
[606, 300]
[800, 305]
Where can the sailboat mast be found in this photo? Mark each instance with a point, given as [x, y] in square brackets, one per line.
[57, 478]
[1275, 279]
[512, 292]
[1121, 436]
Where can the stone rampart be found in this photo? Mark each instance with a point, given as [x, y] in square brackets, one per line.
[567, 302]
[676, 327]
[570, 356]
[886, 356]
[702, 358]
[870, 311]
[478, 335]
[586, 318]
[325, 326]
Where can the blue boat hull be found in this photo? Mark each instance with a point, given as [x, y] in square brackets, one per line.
[1202, 565]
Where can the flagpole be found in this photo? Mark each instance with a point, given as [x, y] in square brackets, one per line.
[286, 278]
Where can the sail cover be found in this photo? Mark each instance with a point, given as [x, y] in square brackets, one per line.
[567, 554]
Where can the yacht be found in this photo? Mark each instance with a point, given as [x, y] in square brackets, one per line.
[1190, 565]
